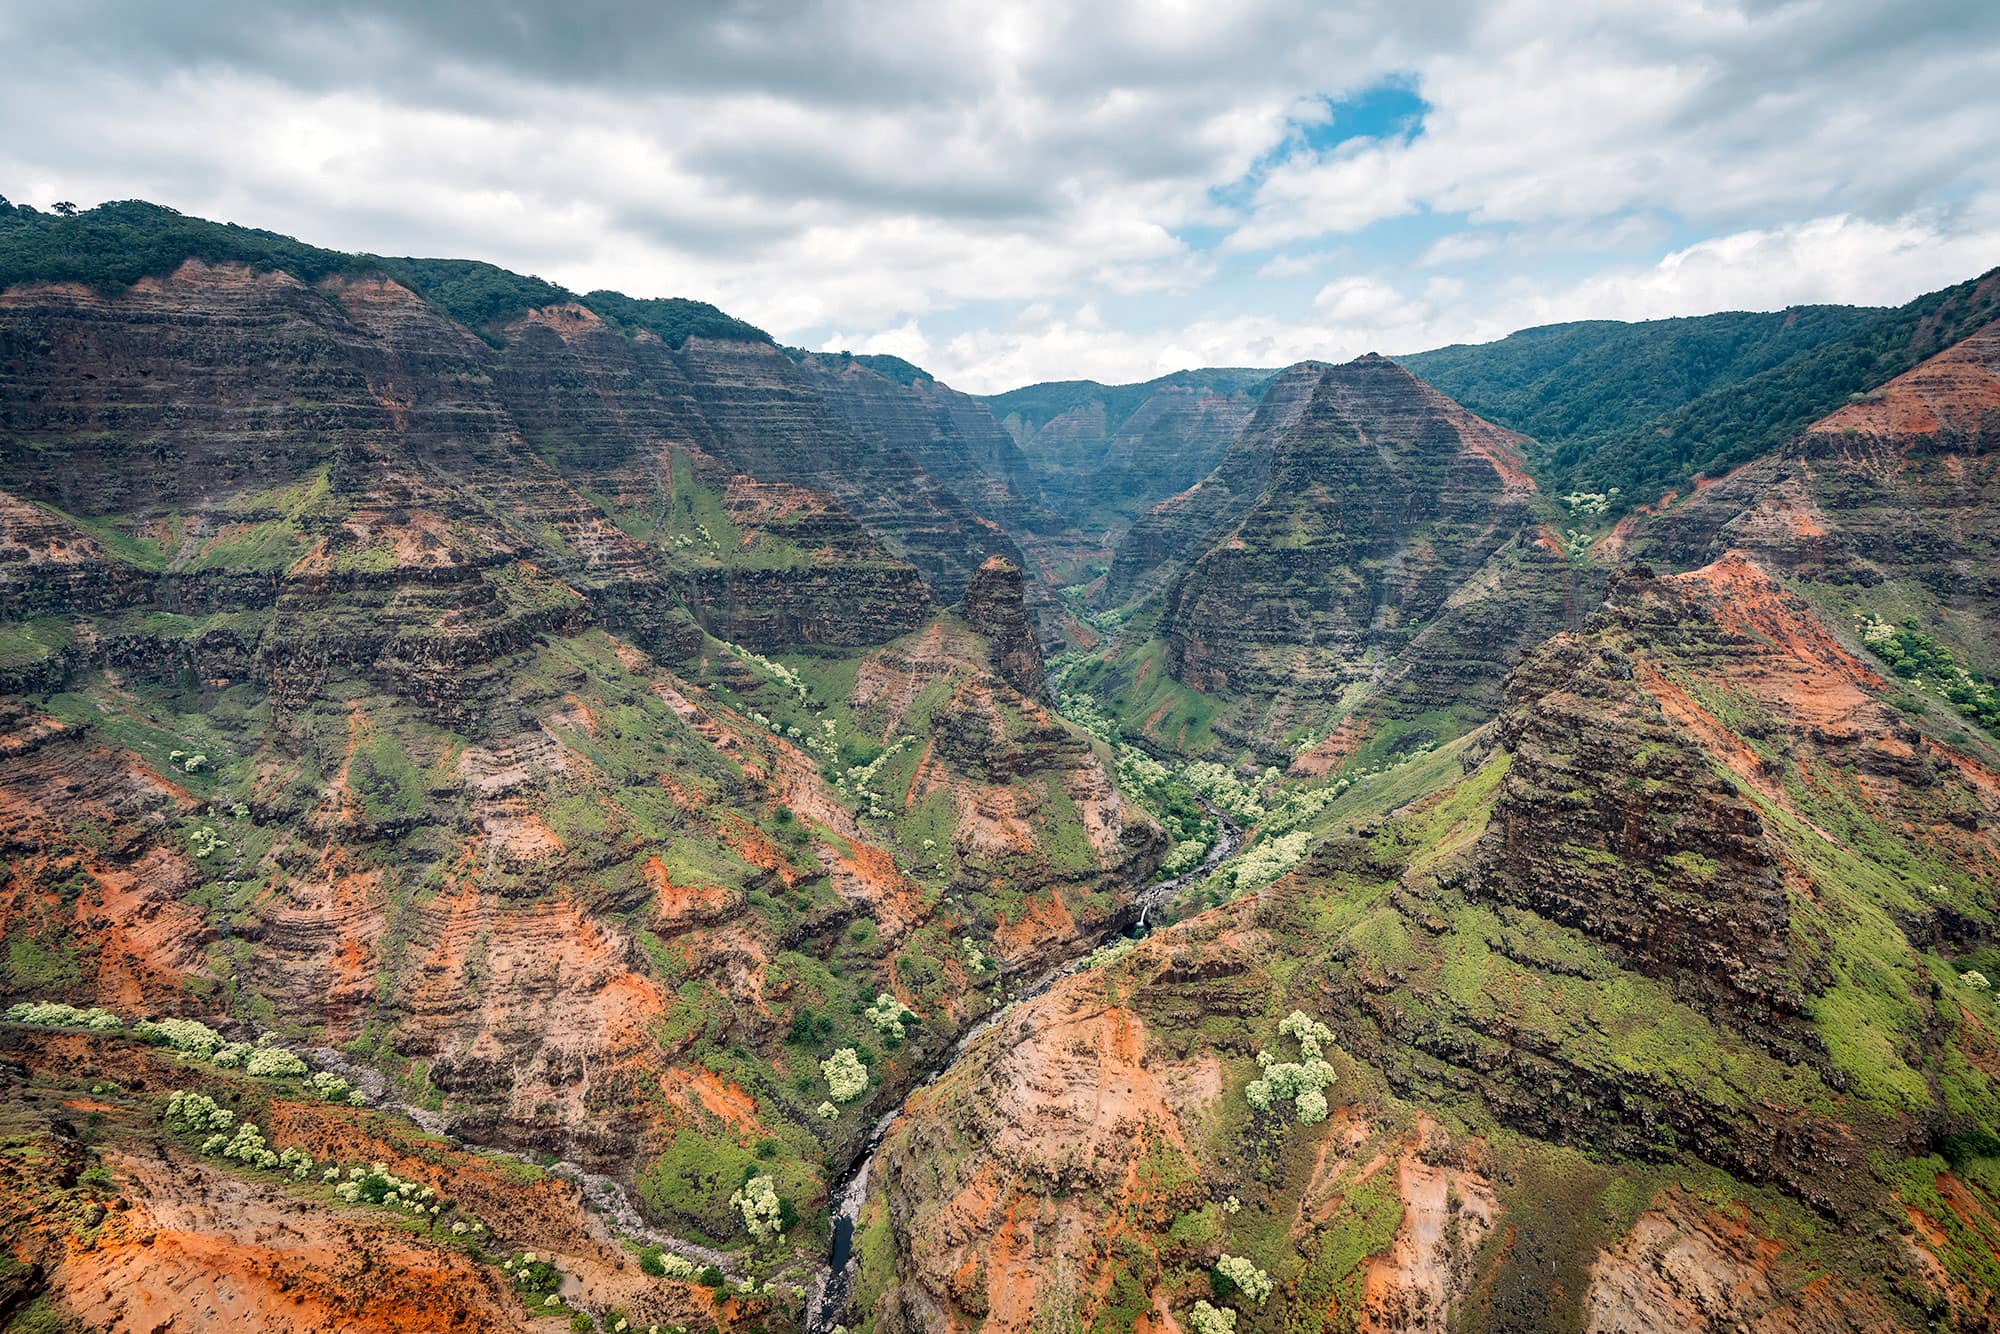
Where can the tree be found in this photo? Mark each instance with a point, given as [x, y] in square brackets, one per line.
[66, 209]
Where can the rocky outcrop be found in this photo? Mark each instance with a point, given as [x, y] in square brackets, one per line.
[1360, 508]
[996, 606]
[1895, 488]
[1163, 539]
[1105, 454]
[951, 436]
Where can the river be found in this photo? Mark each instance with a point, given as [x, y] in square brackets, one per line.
[824, 1303]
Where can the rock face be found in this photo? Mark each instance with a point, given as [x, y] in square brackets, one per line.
[995, 606]
[1367, 554]
[564, 724]
[1897, 489]
[951, 436]
[1163, 539]
[1105, 454]
[1635, 917]
[1380, 500]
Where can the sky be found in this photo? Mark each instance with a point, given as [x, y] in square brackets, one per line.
[1012, 192]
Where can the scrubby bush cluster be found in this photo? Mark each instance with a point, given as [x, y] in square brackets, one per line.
[532, 1274]
[661, 1263]
[1245, 1277]
[1919, 659]
[247, 1146]
[335, 1089]
[763, 1213]
[54, 1014]
[1298, 1082]
[888, 1015]
[846, 1076]
[1271, 858]
[196, 1114]
[190, 1037]
[1104, 954]
[975, 958]
[1975, 979]
[1206, 1319]
[275, 1062]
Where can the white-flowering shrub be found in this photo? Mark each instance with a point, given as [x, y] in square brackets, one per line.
[1205, 1319]
[54, 1014]
[1975, 979]
[190, 1037]
[196, 1113]
[1104, 954]
[828, 1112]
[758, 1202]
[784, 675]
[888, 1015]
[274, 1062]
[204, 842]
[331, 1086]
[232, 1054]
[846, 1076]
[1297, 1082]
[298, 1161]
[1251, 1281]
[968, 948]
[1271, 858]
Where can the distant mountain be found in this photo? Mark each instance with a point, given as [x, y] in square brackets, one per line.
[1107, 453]
[1364, 537]
[1646, 407]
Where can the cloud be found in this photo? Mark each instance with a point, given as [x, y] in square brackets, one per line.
[1296, 265]
[1459, 248]
[1832, 259]
[894, 168]
[1357, 301]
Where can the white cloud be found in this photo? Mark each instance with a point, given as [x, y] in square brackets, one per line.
[1296, 265]
[1366, 302]
[1831, 259]
[906, 340]
[1459, 248]
[876, 168]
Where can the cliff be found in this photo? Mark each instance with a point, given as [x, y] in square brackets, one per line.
[527, 715]
[1624, 940]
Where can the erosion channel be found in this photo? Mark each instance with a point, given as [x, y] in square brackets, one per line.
[826, 1302]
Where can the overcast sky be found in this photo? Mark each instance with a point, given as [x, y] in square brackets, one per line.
[1014, 192]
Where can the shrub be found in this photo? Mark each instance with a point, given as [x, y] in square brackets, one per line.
[196, 1114]
[532, 1274]
[757, 1200]
[846, 1076]
[275, 1062]
[190, 1037]
[1297, 1082]
[232, 1054]
[1245, 1277]
[54, 1014]
[650, 1262]
[1206, 1319]
[888, 1015]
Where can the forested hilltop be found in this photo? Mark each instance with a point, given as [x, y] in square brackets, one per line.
[114, 245]
[1646, 407]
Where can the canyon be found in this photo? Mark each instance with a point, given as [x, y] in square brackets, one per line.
[770, 841]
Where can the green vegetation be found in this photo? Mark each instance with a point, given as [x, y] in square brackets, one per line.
[1921, 660]
[1645, 407]
[114, 245]
[1038, 404]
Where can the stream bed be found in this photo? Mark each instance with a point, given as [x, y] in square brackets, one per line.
[827, 1298]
